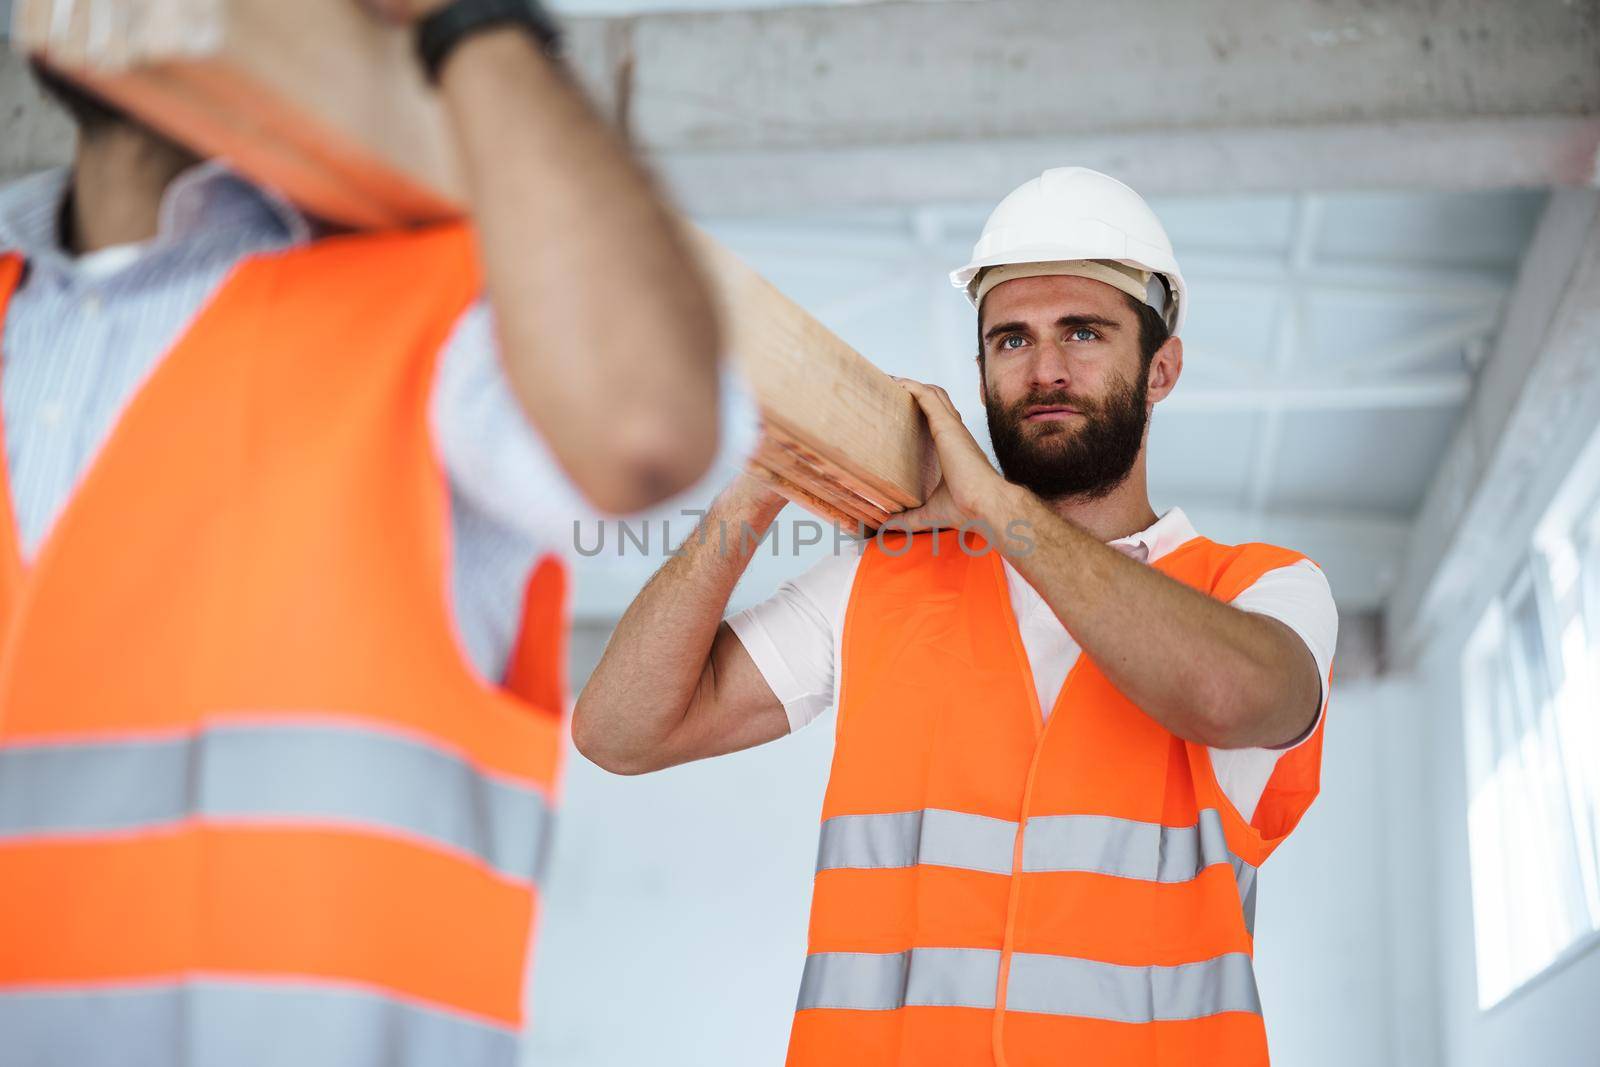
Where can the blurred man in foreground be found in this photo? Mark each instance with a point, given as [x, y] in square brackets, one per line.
[279, 689]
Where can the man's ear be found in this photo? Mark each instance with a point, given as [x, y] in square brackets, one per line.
[1166, 366]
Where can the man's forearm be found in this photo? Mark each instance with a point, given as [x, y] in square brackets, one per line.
[605, 323]
[1205, 671]
[645, 683]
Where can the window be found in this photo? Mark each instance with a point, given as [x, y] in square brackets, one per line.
[1531, 685]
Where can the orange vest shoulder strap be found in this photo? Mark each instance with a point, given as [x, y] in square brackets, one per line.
[11, 264]
[441, 256]
[1226, 571]
[537, 670]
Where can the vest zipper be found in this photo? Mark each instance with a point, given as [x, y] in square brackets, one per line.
[1041, 726]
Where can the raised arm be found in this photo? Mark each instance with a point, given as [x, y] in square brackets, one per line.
[675, 683]
[604, 321]
[1208, 672]
[1205, 670]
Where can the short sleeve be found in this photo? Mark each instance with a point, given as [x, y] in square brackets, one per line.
[1299, 597]
[793, 636]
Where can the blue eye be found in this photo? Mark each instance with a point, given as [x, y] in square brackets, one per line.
[1005, 342]
[1083, 333]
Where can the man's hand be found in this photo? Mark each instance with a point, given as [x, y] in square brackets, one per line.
[969, 487]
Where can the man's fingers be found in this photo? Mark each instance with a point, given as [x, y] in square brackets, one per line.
[907, 520]
[930, 516]
[930, 398]
[918, 391]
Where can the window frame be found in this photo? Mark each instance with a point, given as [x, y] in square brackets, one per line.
[1492, 655]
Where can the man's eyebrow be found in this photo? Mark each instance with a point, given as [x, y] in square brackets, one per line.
[1089, 320]
[1065, 321]
[1004, 327]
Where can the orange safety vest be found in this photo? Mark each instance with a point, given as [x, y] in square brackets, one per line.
[993, 887]
[255, 806]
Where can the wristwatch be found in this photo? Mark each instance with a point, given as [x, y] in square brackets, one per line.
[439, 33]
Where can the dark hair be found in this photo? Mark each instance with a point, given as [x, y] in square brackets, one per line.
[90, 112]
[1153, 331]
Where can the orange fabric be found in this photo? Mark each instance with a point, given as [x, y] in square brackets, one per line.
[11, 268]
[889, 909]
[1032, 1040]
[1120, 920]
[911, 1036]
[537, 671]
[264, 535]
[248, 900]
[937, 709]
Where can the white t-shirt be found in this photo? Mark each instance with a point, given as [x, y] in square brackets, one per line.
[794, 638]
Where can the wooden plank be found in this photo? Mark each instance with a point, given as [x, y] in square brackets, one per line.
[845, 430]
[317, 99]
[325, 103]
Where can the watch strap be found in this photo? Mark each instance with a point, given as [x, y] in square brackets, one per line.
[438, 34]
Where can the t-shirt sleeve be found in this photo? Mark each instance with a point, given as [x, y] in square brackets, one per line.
[793, 635]
[1299, 597]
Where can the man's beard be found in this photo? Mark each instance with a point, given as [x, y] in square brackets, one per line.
[1057, 462]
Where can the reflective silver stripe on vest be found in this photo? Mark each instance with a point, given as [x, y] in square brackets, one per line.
[1124, 847]
[292, 772]
[240, 1024]
[906, 838]
[1245, 875]
[922, 977]
[1099, 844]
[1052, 985]
[1062, 985]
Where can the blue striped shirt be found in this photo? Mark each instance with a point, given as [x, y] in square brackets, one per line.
[81, 335]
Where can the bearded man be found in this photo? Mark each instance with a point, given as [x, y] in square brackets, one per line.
[1061, 754]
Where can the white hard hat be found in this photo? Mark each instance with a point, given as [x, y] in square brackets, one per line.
[1070, 215]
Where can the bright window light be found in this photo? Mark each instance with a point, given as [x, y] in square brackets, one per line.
[1531, 683]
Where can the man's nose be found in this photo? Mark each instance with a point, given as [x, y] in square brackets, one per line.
[1051, 367]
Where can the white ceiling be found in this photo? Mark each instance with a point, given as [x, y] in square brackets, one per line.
[1331, 345]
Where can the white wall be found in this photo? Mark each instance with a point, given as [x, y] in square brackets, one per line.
[676, 916]
[1554, 1020]
[1342, 949]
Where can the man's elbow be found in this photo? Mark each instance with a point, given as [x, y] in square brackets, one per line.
[608, 751]
[1224, 713]
[644, 465]
[1244, 712]
[595, 746]
[670, 460]
[618, 764]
